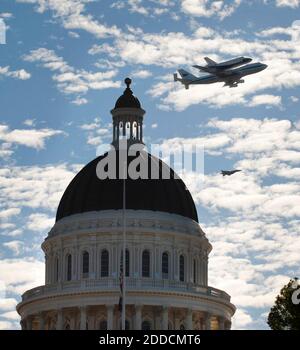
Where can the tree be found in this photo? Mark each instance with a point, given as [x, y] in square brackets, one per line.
[285, 314]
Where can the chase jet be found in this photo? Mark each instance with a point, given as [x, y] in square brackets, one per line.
[215, 68]
[229, 172]
[230, 77]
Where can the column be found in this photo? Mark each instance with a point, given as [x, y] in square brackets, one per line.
[110, 316]
[23, 324]
[137, 130]
[207, 321]
[82, 317]
[189, 319]
[131, 131]
[138, 317]
[221, 321]
[141, 131]
[41, 321]
[28, 321]
[59, 322]
[118, 131]
[227, 325]
[165, 318]
[124, 127]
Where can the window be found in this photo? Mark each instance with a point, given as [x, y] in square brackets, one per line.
[69, 267]
[146, 326]
[182, 327]
[85, 264]
[146, 263]
[165, 265]
[104, 263]
[103, 325]
[194, 271]
[56, 270]
[181, 268]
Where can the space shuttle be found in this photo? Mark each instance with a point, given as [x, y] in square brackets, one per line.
[215, 68]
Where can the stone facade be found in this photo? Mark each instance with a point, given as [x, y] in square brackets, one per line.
[166, 275]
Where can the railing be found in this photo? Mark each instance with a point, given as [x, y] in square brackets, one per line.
[112, 284]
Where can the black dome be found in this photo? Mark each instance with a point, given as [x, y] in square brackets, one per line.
[87, 192]
[127, 100]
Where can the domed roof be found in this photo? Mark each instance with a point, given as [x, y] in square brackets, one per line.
[87, 192]
[127, 100]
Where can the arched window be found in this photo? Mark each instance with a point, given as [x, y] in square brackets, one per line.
[181, 268]
[195, 271]
[103, 325]
[165, 265]
[85, 264]
[146, 263]
[146, 326]
[69, 267]
[104, 263]
[56, 269]
[182, 327]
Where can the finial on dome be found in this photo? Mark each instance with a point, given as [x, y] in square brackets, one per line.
[128, 81]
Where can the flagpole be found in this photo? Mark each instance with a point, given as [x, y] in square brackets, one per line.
[124, 251]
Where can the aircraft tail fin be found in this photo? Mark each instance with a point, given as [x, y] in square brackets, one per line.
[186, 76]
[209, 61]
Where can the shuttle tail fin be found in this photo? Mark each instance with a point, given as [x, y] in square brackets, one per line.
[209, 61]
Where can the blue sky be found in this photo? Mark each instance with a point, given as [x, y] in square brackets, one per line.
[63, 67]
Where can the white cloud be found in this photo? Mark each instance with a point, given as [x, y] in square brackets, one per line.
[33, 138]
[241, 319]
[6, 15]
[39, 222]
[7, 213]
[15, 246]
[21, 274]
[70, 80]
[29, 122]
[80, 101]
[208, 8]
[35, 186]
[16, 74]
[270, 100]
[142, 74]
[6, 325]
[294, 98]
[142, 7]
[97, 133]
[7, 304]
[71, 14]
[18, 275]
[288, 3]
[11, 315]
[74, 35]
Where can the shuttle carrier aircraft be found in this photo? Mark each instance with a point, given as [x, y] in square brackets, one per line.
[230, 72]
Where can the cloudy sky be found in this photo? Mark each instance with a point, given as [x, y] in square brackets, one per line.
[61, 70]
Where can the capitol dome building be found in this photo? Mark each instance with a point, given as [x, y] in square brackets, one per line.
[166, 251]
